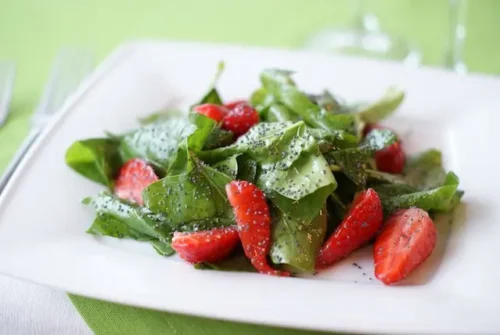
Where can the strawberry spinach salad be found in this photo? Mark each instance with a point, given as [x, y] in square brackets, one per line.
[282, 183]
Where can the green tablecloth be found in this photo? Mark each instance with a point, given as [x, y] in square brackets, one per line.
[31, 32]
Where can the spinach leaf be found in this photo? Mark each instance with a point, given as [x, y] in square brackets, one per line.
[156, 143]
[307, 174]
[296, 243]
[333, 139]
[378, 139]
[197, 194]
[118, 218]
[237, 261]
[212, 96]
[229, 166]
[205, 224]
[352, 162]
[379, 177]
[288, 156]
[98, 159]
[163, 248]
[299, 228]
[247, 168]
[259, 140]
[383, 107]
[424, 171]
[279, 84]
[327, 101]
[218, 138]
[440, 199]
[277, 113]
[261, 99]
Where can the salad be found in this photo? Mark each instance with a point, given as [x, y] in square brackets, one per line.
[282, 183]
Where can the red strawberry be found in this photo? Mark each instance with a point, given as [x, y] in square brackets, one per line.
[215, 112]
[406, 240]
[134, 176]
[254, 223]
[240, 119]
[356, 229]
[233, 104]
[391, 159]
[205, 246]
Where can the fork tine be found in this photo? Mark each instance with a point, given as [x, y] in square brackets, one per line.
[69, 68]
[7, 74]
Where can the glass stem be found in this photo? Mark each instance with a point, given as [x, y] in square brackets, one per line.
[362, 20]
[455, 54]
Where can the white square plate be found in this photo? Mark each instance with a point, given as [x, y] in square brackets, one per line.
[42, 223]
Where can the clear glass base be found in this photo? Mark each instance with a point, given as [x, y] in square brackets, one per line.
[365, 43]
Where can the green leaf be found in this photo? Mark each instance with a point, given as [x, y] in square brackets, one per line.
[277, 113]
[229, 166]
[163, 248]
[261, 99]
[378, 139]
[328, 102]
[264, 141]
[218, 138]
[424, 171]
[333, 139]
[288, 156]
[305, 176]
[247, 168]
[298, 231]
[279, 84]
[383, 107]
[212, 96]
[97, 159]
[118, 218]
[237, 261]
[379, 177]
[194, 195]
[296, 243]
[205, 224]
[353, 163]
[157, 143]
[441, 198]
[193, 142]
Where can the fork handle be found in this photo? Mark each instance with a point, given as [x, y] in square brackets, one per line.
[20, 154]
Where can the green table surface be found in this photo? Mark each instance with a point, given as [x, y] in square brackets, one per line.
[31, 32]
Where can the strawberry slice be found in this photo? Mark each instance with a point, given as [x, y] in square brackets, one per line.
[134, 176]
[406, 240]
[254, 223]
[215, 112]
[240, 119]
[391, 159]
[232, 104]
[356, 229]
[205, 246]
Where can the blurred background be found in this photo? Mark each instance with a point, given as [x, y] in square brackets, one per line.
[31, 32]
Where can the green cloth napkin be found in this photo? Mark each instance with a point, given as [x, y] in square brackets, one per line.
[108, 318]
[31, 32]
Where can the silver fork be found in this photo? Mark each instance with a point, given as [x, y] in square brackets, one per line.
[7, 74]
[70, 67]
